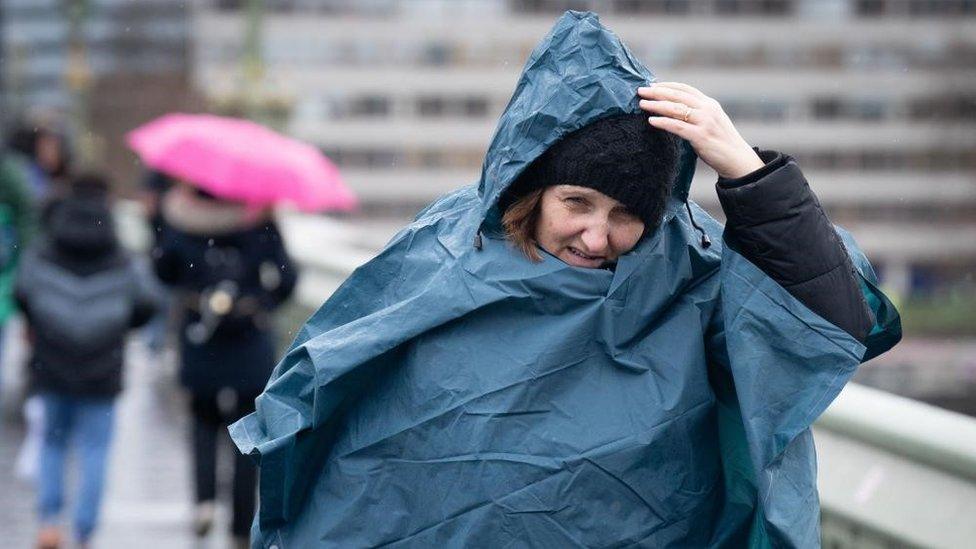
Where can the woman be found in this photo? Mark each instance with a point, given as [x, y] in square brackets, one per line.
[231, 269]
[571, 354]
[48, 159]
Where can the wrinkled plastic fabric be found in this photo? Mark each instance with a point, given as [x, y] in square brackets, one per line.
[451, 394]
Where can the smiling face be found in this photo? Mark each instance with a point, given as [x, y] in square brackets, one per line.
[584, 227]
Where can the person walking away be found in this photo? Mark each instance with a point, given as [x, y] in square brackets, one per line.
[157, 333]
[76, 366]
[231, 267]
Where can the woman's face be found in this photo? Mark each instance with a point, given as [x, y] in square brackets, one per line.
[585, 227]
[48, 150]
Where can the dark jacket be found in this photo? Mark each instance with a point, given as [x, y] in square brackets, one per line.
[81, 293]
[775, 221]
[230, 283]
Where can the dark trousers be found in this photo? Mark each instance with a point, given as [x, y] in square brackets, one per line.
[210, 418]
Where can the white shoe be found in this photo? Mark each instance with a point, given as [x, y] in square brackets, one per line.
[203, 518]
[28, 458]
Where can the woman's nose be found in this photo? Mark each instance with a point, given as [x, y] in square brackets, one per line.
[596, 238]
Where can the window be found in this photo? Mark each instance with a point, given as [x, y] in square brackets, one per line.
[754, 7]
[370, 106]
[430, 106]
[950, 107]
[911, 159]
[826, 108]
[475, 107]
[870, 8]
[666, 7]
[435, 53]
[548, 6]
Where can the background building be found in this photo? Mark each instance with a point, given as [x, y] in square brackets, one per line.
[95, 67]
[876, 99]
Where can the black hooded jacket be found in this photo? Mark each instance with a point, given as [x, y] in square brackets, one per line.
[775, 220]
[81, 293]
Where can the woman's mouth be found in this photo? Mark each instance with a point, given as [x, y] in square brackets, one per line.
[585, 259]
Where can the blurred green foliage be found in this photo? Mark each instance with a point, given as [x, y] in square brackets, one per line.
[289, 318]
[951, 314]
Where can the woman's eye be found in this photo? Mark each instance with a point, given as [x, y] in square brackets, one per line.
[579, 200]
[625, 215]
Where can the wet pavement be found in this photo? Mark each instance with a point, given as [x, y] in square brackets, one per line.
[147, 501]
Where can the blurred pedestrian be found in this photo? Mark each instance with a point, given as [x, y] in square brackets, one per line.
[78, 267]
[47, 155]
[156, 334]
[232, 269]
[43, 158]
[16, 229]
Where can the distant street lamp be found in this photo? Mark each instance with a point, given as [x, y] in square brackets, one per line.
[78, 78]
[252, 97]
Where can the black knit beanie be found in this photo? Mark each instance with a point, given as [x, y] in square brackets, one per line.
[622, 156]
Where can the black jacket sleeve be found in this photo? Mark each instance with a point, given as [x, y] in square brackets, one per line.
[146, 298]
[166, 257]
[775, 220]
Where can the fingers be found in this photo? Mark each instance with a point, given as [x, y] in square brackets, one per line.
[675, 126]
[669, 108]
[669, 102]
[665, 93]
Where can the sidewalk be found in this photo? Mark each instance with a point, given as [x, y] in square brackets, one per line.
[148, 498]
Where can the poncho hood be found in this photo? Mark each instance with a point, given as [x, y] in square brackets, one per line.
[453, 393]
[579, 73]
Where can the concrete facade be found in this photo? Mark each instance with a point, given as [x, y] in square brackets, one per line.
[874, 99]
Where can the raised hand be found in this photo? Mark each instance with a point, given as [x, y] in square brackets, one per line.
[687, 112]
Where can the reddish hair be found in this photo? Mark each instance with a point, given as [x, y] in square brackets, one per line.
[520, 221]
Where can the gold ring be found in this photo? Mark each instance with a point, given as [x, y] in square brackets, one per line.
[687, 113]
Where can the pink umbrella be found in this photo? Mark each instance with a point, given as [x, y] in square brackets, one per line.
[242, 161]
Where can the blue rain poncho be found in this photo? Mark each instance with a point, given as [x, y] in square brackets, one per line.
[454, 393]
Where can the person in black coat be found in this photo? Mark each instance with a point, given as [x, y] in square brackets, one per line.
[80, 293]
[157, 332]
[230, 266]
